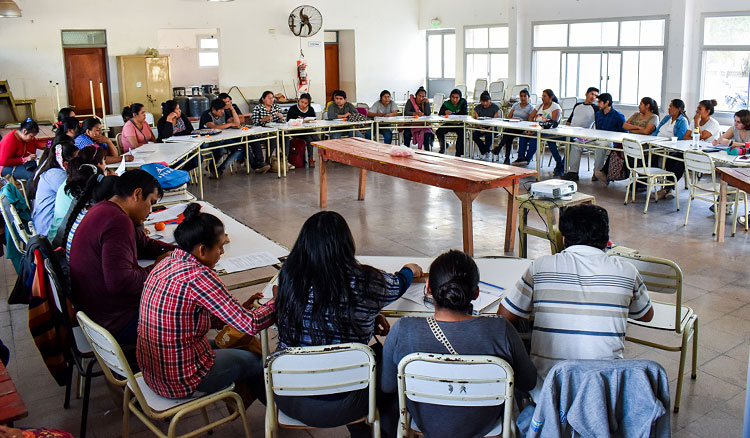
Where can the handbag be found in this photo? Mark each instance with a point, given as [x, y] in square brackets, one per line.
[356, 117]
[439, 335]
[168, 178]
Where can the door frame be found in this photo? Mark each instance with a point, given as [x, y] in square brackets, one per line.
[107, 85]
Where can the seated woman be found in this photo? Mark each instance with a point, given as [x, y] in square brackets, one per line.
[173, 123]
[47, 181]
[18, 151]
[326, 297]
[453, 284]
[181, 295]
[708, 127]
[485, 109]
[675, 125]
[548, 110]
[69, 127]
[739, 132]
[267, 111]
[418, 106]
[455, 105]
[385, 107]
[303, 110]
[520, 110]
[63, 114]
[340, 109]
[136, 131]
[92, 135]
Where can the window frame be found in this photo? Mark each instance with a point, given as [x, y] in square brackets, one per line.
[718, 48]
[217, 50]
[486, 51]
[442, 33]
[603, 49]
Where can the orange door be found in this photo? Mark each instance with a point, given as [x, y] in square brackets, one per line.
[82, 65]
[332, 70]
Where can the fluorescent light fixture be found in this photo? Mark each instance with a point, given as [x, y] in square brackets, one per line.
[9, 9]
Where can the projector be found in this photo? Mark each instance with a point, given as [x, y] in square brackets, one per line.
[553, 189]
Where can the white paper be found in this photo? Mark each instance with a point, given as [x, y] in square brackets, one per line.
[121, 168]
[246, 262]
[488, 295]
[167, 214]
[145, 149]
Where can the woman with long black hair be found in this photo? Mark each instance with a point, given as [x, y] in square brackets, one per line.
[325, 297]
[42, 189]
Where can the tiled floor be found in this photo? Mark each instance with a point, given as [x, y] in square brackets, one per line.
[404, 218]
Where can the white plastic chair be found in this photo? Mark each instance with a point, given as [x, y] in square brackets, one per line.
[145, 403]
[480, 85]
[320, 370]
[698, 162]
[662, 276]
[363, 105]
[533, 99]
[651, 176]
[437, 102]
[567, 104]
[20, 231]
[516, 90]
[462, 89]
[455, 380]
[497, 91]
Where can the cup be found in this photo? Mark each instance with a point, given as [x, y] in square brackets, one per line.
[673, 139]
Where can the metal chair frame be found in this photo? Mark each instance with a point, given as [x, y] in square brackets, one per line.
[651, 176]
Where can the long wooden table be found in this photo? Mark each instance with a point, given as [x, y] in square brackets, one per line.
[730, 176]
[467, 178]
[12, 407]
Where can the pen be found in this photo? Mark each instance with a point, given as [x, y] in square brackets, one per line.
[492, 285]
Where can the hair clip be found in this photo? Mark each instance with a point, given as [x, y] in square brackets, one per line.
[100, 177]
[90, 166]
[28, 119]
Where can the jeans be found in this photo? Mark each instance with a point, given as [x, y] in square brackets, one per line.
[18, 172]
[236, 153]
[506, 141]
[429, 138]
[233, 365]
[600, 156]
[337, 135]
[459, 140]
[484, 146]
[523, 144]
[387, 136]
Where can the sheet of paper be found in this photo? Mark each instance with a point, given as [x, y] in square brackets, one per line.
[167, 214]
[483, 301]
[145, 149]
[246, 262]
[121, 168]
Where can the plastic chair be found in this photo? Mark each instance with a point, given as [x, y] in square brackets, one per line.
[479, 86]
[20, 231]
[320, 370]
[82, 356]
[363, 105]
[567, 104]
[437, 102]
[462, 89]
[455, 380]
[145, 403]
[651, 176]
[698, 162]
[662, 276]
[516, 90]
[497, 91]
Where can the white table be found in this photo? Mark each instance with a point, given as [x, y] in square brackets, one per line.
[169, 153]
[429, 121]
[721, 156]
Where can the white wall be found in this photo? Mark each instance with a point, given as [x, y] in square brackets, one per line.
[257, 49]
[182, 47]
[348, 64]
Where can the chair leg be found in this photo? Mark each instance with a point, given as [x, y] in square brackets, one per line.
[86, 397]
[627, 190]
[734, 217]
[694, 374]
[683, 353]
[690, 200]
[676, 195]
[241, 410]
[648, 194]
[125, 413]
[204, 412]
[68, 385]
[376, 425]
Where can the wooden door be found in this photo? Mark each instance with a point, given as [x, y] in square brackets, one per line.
[81, 66]
[133, 79]
[332, 70]
[159, 83]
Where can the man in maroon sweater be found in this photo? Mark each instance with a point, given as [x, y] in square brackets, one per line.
[107, 281]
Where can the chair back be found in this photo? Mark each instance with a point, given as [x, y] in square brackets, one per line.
[660, 276]
[633, 149]
[699, 162]
[362, 110]
[437, 102]
[567, 104]
[462, 89]
[455, 380]
[480, 86]
[516, 90]
[60, 298]
[497, 91]
[533, 99]
[20, 231]
[363, 105]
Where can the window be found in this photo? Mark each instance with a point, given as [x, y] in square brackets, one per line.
[208, 51]
[622, 57]
[441, 61]
[485, 54]
[726, 61]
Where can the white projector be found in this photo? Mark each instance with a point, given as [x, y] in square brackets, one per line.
[553, 189]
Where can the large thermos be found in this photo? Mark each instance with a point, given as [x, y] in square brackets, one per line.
[182, 100]
[198, 104]
[208, 92]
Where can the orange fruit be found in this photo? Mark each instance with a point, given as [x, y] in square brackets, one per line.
[159, 226]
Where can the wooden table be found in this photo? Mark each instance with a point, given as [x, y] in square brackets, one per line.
[12, 407]
[465, 177]
[736, 177]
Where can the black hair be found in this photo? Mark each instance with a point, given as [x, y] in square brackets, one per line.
[485, 96]
[305, 96]
[651, 104]
[67, 124]
[551, 95]
[606, 98]
[97, 188]
[82, 167]
[680, 105]
[453, 91]
[524, 91]
[64, 113]
[708, 105]
[384, 92]
[340, 93]
[30, 126]
[68, 150]
[90, 124]
[585, 224]
[218, 104]
[266, 93]
[223, 96]
[137, 179]
[454, 279]
[590, 89]
[322, 267]
[422, 90]
[168, 107]
[127, 114]
[198, 229]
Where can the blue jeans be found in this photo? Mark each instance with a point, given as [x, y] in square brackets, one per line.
[429, 138]
[233, 365]
[387, 135]
[18, 172]
[530, 143]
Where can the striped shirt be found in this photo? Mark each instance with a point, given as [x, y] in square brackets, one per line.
[581, 300]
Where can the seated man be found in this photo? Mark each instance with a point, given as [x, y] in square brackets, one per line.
[581, 298]
[341, 109]
[216, 118]
[107, 281]
[583, 115]
[241, 118]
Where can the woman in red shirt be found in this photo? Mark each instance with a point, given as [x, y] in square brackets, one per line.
[18, 151]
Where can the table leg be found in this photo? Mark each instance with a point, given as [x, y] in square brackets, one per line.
[323, 166]
[280, 145]
[362, 183]
[722, 211]
[539, 155]
[278, 156]
[466, 220]
[247, 155]
[511, 219]
[522, 237]
[200, 172]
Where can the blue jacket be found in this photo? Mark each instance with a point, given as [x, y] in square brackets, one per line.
[625, 398]
[681, 125]
[612, 121]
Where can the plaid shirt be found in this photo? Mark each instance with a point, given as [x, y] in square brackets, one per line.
[178, 299]
[260, 111]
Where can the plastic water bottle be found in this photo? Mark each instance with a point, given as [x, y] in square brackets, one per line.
[696, 138]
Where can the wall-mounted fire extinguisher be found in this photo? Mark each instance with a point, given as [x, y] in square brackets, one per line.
[303, 84]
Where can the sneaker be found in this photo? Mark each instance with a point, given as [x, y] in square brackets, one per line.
[729, 210]
[558, 171]
[290, 166]
[741, 220]
[263, 169]
[570, 176]
[599, 175]
[520, 163]
[506, 161]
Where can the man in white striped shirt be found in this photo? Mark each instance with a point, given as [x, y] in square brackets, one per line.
[580, 298]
